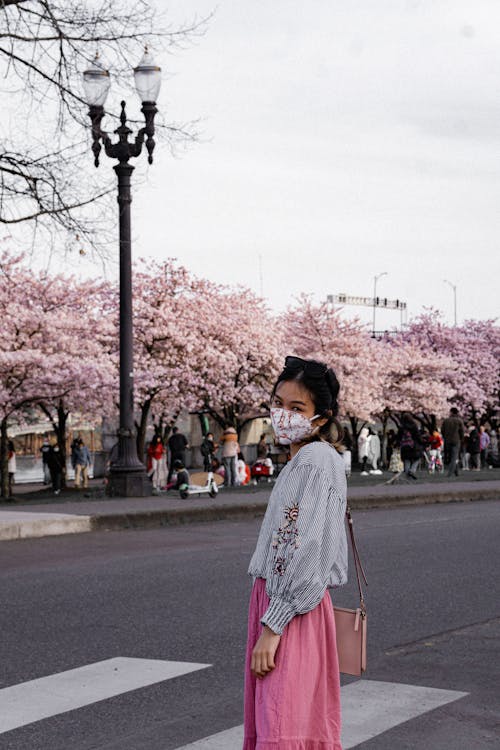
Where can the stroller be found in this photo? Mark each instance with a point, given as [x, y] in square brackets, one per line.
[263, 467]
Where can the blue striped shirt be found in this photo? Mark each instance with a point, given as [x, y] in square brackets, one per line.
[302, 546]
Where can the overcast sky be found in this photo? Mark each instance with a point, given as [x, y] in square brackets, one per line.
[341, 139]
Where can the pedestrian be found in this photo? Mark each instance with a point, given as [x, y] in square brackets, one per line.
[242, 471]
[82, 465]
[181, 476]
[474, 448]
[55, 462]
[230, 450]
[453, 432]
[208, 448]
[11, 466]
[410, 444]
[464, 450]
[217, 468]
[347, 452]
[484, 443]
[391, 444]
[374, 451]
[177, 445]
[262, 447]
[155, 455]
[44, 450]
[363, 443]
[396, 465]
[493, 452]
[292, 681]
[73, 449]
[435, 445]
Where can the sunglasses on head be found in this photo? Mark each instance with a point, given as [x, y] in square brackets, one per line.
[312, 369]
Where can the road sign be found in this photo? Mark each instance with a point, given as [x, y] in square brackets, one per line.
[349, 299]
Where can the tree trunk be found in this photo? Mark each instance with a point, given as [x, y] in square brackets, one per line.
[204, 425]
[60, 428]
[355, 435]
[59, 422]
[142, 428]
[385, 420]
[4, 462]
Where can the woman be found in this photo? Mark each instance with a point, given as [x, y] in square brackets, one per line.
[474, 448]
[56, 466]
[292, 682]
[155, 455]
[230, 450]
[11, 465]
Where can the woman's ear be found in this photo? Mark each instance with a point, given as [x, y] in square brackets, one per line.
[324, 419]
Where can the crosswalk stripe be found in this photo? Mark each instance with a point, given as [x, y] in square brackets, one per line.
[369, 707]
[47, 696]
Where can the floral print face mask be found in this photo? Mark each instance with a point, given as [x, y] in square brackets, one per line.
[290, 426]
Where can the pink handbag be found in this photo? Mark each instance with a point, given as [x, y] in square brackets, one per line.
[350, 624]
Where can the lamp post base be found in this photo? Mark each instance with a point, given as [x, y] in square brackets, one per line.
[128, 483]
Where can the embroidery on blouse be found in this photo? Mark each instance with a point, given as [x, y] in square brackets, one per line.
[286, 540]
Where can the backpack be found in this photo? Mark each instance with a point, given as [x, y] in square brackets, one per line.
[407, 440]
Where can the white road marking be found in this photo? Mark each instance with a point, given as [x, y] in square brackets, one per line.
[47, 696]
[369, 708]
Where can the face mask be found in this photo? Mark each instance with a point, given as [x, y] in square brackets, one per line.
[290, 426]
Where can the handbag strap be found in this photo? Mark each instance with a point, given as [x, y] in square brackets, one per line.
[357, 560]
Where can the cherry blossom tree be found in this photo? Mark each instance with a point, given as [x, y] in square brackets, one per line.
[316, 331]
[415, 381]
[22, 363]
[473, 381]
[53, 348]
[239, 355]
[168, 336]
[80, 342]
[200, 346]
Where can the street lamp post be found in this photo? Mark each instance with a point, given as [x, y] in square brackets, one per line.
[454, 287]
[128, 476]
[375, 279]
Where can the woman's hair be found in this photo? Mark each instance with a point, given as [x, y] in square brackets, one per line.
[324, 390]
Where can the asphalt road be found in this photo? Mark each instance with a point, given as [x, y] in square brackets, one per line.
[181, 594]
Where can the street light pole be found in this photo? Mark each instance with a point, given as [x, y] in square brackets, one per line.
[375, 279]
[454, 287]
[128, 476]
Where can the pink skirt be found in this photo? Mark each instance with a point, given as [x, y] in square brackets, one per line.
[297, 705]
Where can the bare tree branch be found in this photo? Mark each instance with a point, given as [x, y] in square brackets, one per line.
[44, 47]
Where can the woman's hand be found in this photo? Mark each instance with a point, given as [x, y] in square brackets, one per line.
[264, 653]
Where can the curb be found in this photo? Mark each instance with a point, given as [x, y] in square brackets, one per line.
[37, 525]
[178, 516]
[432, 498]
[33, 528]
[155, 518]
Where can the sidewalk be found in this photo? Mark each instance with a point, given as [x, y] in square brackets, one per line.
[38, 515]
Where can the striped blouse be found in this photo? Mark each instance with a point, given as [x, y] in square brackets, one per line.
[302, 547]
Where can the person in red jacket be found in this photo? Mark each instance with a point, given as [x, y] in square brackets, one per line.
[435, 447]
[435, 441]
[155, 454]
